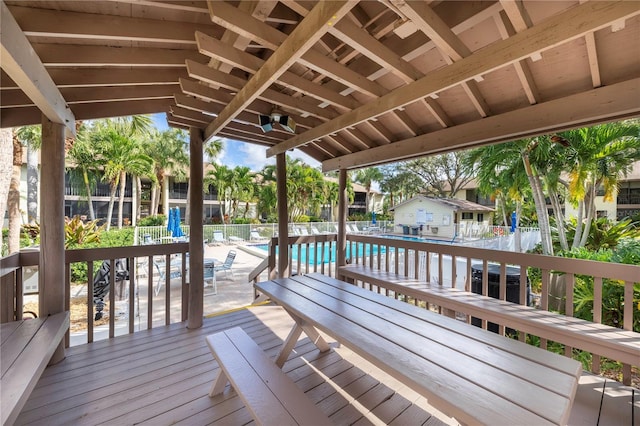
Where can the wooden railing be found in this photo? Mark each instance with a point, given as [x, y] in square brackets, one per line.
[150, 267]
[467, 268]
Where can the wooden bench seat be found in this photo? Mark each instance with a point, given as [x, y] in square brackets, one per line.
[271, 397]
[25, 350]
[617, 344]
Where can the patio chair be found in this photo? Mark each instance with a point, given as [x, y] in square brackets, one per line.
[228, 264]
[210, 277]
[255, 236]
[175, 271]
[218, 238]
[314, 230]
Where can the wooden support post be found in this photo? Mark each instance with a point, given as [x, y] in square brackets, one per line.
[283, 216]
[52, 257]
[341, 252]
[196, 243]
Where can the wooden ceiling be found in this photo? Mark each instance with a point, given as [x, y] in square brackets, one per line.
[367, 82]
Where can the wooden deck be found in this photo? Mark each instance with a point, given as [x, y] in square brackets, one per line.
[162, 376]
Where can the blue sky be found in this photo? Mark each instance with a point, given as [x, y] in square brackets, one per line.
[237, 153]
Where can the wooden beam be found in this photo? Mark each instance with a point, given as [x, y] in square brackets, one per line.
[92, 77]
[245, 61]
[246, 25]
[434, 27]
[517, 14]
[364, 43]
[79, 95]
[184, 122]
[21, 63]
[36, 22]
[79, 55]
[196, 241]
[283, 216]
[305, 35]
[592, 54]
[571, 24]
[608, 103]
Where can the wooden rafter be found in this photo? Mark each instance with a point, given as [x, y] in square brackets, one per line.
[569, 25]
[578, 110]
[301, 39]
[24, 67]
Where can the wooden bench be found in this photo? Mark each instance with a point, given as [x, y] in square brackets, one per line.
[271, 397]
[617, 344]
[25, 350]
[468, 373]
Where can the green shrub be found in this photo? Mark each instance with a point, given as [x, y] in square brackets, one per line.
[303, 218]
[157, 220]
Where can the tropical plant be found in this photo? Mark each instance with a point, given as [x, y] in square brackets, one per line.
[220, 177]
[121, 153]
[31, 137]
[598, 157]
[367, 177]
[85, 166]
[78, 233]
[168, 149]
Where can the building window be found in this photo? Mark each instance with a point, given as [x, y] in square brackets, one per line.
[467, 216]
[480, 217]
[601, 213]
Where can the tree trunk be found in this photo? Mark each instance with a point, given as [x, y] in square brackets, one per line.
[6, 167]
[578, 234]
[541, 208]
[112, 199]
[187, 210]
[85, 177]
[557, 211]
[590, 203]
[123, 185]
[32, 185]
[13, 201]
[137, 213]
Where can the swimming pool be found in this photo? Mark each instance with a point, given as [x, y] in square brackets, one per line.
[318, 256]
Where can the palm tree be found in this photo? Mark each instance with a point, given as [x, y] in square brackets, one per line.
[86, 166]
[367, 177]
[168, 149]
[31, 137]
[241, 188]
[220, 178]
[601, 155]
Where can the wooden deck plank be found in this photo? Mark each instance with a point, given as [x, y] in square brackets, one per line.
[171, 386]
[307, 367]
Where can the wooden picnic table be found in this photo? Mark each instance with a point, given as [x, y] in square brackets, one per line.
[468, 373]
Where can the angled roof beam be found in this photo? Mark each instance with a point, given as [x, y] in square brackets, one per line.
[21, 63]
[231, 18]
[522, 67]
[607, 103]
[571, 24]
[303, 37]
[447, 41]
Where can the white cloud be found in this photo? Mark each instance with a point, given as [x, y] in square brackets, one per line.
[254, 156]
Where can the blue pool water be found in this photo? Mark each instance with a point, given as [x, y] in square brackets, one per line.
[319, 256]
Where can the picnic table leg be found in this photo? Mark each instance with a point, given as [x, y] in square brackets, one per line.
[293, 336]
[218, 383]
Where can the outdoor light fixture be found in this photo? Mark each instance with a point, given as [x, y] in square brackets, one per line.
[267, 121]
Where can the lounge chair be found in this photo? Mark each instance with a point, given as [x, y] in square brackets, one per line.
[218, 237]
[228, 263]
[314, 230]
[255, 236]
